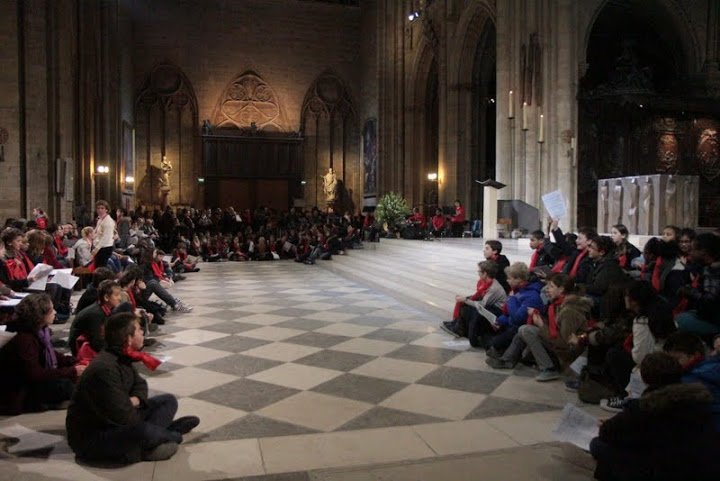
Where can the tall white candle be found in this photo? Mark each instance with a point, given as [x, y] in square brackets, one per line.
[541, 133]
[511, 106]
[524, 116]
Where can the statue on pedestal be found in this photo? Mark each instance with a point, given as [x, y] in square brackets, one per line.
[166, 168]
[330, 184]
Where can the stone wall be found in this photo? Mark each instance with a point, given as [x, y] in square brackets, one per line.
[287, 43]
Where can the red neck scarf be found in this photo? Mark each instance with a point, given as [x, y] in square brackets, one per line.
[158, 270]
[576, 265]
[534, 259]
[657, 270]
[552, 316]
[150, 362]
[683, 305]
[481, 288]
[559, 264]
[105, 308]
[131, 296]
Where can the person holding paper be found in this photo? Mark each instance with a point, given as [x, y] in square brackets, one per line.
[540, 256]
[488, 292]
[33, 375]
[104, 234]
[578, 265]
[498, 333]
[16, 265]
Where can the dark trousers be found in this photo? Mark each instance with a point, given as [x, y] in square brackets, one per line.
[102, 257]
[153, 287]
[126, 444]
[480, 332]
[618, 366]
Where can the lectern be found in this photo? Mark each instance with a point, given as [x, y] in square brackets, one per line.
[490, 207]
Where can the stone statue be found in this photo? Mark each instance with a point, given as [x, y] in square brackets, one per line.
[330, 185]
[670, 202]
[632, 212]
[166, 168]
[603, 207]
[687, 206]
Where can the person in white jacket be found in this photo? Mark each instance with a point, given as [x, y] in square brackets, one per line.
[104, 234]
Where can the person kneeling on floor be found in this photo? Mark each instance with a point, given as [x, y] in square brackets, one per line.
[111, 417]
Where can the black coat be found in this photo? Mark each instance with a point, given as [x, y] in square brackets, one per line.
[667, 434]
[102, 398]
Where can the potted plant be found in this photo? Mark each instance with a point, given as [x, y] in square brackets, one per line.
[391, 211]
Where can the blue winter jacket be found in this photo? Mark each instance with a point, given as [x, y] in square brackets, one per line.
[708, 373]
[518, 303]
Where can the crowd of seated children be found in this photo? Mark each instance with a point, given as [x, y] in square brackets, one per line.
[592, 308]
[16, 267]
[547, 331]
[33, 375]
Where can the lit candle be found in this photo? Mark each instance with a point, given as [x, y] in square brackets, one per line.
[511, 106]
[524, 116]
[541, 133]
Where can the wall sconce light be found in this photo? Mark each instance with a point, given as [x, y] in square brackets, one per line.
[414, 15]
[303, 182]
[201, 180]
[432, 177]
[102, 169]
[129, 179]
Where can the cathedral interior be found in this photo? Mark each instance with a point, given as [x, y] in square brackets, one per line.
[341, 372]
[250, 102]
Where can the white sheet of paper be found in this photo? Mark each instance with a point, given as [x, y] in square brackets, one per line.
[40, 270]
[576, 427]
[30, 440]
[555, 204]
[492, 318]
[39, 285]
[64, 279]
[21, 294]
[55, 272]
[10, 302]
[167, 259]
[5, 337]
[578, 364]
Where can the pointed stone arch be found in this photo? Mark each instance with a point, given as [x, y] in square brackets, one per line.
[249, 100]
[166, 119]
[472, 66]
[329, 125]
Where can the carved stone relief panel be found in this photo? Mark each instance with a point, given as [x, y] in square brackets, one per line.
[630, 203]
[603, 199]
[616, 202]
[249, 102]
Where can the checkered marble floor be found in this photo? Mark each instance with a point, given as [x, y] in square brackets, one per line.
[293, 367]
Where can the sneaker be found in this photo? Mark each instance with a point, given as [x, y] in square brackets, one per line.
[182, 308]
[449, 327]
[547, 375]
[161, 452]
[178, 277]
[613, 404]
[572, 385]
[493, 353]
[184, 424]
[499, 363]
